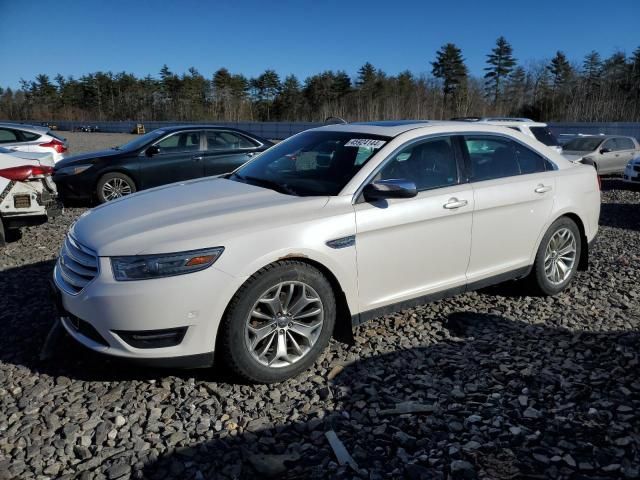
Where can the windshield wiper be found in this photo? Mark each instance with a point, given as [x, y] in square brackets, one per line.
[262, 182]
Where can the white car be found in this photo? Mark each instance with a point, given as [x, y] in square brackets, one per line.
[538, 130]
[632, 172]
[609, 154]
[33, 139]
[324, 230]
[40, 158]
[28, 196]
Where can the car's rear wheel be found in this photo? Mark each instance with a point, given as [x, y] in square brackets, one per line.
[558, 257]
[2, 234]
[114, 185]
[278, 323]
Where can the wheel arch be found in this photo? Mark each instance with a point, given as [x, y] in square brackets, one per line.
[116, 169]
[583, 262]
[342, 330]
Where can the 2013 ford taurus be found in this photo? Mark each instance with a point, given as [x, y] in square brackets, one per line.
[329, 228]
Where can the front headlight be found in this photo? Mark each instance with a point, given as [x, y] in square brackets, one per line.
[73, 170]
[144, 267]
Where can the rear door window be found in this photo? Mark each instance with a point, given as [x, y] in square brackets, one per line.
[625, 143]
[530, 161]
[29, 136]
[221, 140]
[8, 135]
[491, 157]
[498, 157]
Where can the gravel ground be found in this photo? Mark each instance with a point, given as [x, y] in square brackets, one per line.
[490, 384]
[80, 142]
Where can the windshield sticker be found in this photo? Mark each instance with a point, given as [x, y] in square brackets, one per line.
[365, 142]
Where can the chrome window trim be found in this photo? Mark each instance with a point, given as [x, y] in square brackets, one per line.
[197, 130]
[358, 192]
[405, 145]
[250, 139]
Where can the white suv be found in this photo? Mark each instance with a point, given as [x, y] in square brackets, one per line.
[327, 229]
[538, 130]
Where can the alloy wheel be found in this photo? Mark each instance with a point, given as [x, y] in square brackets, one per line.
[115, 188]
[560, 256]
[284, 324]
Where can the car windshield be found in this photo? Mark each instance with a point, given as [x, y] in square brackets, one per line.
[315, 163]
[583, 144]
[544, 135]
[142, 141]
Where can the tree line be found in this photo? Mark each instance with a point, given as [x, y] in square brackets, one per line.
[596, 89]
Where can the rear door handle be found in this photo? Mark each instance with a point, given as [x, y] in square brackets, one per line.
[197, 158]
[455, 203]
[542, 188]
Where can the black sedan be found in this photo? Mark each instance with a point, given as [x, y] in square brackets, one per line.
[165, 155]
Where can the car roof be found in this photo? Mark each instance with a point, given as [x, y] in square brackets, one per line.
[389, 128]
[25, 126]
[506, 121]
[601, 136]
[176, 128]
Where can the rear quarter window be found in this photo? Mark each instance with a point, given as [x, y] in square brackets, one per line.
[544, 135]
[30, 136]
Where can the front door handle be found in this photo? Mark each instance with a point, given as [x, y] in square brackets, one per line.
[455, 203]
[197, 158]
[251, 154]
[542, 188]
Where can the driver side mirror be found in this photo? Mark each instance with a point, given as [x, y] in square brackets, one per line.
[605, 150]
[152, 150]
[391, 188]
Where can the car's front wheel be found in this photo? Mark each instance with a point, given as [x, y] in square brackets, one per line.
[558, 257]
[114, 185]
[278, 323]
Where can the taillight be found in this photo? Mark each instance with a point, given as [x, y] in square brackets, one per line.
[599, 183]
[18, 174]
[42, 170]
[57, 145]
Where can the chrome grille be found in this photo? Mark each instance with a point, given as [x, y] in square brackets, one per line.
[77, 266]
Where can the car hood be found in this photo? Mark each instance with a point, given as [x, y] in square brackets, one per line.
[86, 157]
[188, 216]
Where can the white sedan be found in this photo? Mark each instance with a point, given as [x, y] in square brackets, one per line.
[327, 229]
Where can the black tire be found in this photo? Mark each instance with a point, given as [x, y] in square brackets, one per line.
[109, 178]
[232, 348]
[3, 241]
[539, 277]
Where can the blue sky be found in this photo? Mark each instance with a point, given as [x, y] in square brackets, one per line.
[301, 37]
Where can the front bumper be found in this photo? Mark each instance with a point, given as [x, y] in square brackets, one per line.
[193, 303]
[632, 174]
[74, 187]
